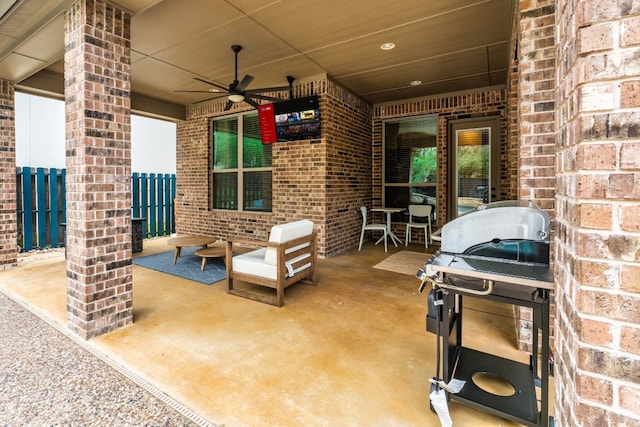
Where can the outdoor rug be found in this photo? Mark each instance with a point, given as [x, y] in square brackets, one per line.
[188, 265]
[405, 262]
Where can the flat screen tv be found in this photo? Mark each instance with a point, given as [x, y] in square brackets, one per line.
[291, 120]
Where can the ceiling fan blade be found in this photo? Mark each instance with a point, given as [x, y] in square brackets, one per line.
[265, 97]
[198, 91]
[228, 105]
[246, 81]
[251, 102]
[267, 89]
[212, 84]
[211, 99]
[222, 95]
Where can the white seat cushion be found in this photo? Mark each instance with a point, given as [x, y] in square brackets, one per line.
[254, 263]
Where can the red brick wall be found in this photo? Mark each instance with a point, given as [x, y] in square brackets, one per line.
[348, 178]
[322, 180]
[8, 215]
[513, 119]
[98, 146]
[598, 214]
[536, 94]
[536, 72]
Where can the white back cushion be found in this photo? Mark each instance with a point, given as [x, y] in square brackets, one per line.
[283, 233]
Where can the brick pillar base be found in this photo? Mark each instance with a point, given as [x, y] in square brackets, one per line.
[8, 216]
[98, 144]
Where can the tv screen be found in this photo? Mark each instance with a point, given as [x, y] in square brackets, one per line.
[294, 120]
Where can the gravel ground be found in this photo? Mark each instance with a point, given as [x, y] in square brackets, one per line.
[46, 379]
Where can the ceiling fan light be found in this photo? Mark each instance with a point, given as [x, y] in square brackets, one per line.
[236, 97]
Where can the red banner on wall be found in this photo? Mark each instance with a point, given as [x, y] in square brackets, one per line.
[267, 124]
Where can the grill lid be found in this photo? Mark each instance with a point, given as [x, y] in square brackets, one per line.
[497, 229]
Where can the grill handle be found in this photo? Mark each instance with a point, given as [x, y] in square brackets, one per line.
[487, 291]
[429, 276]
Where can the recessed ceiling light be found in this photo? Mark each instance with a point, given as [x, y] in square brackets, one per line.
[415, 83]
[387, 46]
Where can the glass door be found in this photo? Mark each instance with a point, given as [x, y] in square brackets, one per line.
[474, 165]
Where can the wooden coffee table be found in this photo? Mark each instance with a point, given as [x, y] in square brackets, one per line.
[217, 251]
[187, 241]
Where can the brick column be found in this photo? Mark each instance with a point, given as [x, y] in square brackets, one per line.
[8, 216]
[510, 185]
[98, 145]
[598, 234]
[536, 98]
[537, 102]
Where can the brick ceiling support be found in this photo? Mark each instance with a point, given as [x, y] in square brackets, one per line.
[98, 160]
[8, 213]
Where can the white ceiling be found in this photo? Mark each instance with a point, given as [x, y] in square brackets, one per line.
[449, 45]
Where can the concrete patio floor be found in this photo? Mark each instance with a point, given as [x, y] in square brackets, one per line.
[352, 351]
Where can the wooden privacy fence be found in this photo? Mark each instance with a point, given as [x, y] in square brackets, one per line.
[152, 198]
[41, 205]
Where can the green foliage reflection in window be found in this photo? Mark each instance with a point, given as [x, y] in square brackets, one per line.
[225, 144]
[425, 164]
[473, 153]
[233, 187]
[254, 153]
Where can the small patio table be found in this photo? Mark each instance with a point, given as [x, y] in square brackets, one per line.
[394, 239]
[186, 241]
[217, 251]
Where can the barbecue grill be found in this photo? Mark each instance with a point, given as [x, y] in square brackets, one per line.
[498, 251]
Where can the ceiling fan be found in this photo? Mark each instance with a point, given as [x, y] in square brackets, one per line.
[237, 90]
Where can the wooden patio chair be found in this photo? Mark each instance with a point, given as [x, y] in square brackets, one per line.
[288, 257]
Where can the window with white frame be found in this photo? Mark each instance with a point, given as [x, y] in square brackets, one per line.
[240, 165]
